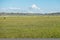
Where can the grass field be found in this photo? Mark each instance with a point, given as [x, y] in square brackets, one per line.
[30, 27]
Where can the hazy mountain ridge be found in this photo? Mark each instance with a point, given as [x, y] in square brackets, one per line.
[58, 13]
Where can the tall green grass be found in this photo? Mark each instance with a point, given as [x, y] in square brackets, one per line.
[30, 27]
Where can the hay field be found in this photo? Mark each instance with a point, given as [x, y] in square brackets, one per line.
[30, 27]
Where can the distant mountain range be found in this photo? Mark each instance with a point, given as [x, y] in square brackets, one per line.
[58, 13]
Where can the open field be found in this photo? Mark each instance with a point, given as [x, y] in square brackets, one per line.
[30, 27]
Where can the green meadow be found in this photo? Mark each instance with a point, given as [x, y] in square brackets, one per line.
[30, 27]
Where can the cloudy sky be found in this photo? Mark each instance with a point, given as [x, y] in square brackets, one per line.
[30, 6]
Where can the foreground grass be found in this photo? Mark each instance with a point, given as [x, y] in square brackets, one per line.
[30, 27]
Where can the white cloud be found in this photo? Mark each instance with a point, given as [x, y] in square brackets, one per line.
[34, 9]
[34, 6]
[12, 8]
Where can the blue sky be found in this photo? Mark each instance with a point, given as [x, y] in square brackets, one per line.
[41, 6]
